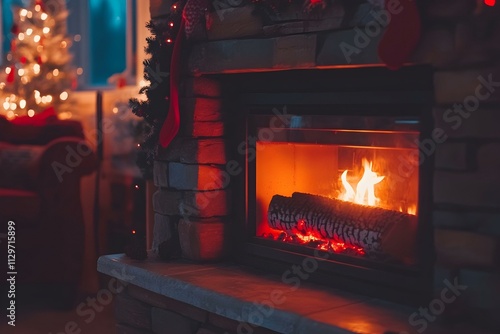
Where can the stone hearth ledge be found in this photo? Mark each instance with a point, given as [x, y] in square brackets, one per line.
[234, 291]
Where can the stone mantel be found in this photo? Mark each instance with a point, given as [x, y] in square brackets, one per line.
[234, 292]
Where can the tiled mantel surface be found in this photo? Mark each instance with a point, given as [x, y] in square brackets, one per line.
[232, 291]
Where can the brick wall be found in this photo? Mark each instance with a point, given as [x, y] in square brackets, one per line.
[461, 39]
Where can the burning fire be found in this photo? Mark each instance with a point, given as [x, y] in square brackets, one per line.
[365, 189]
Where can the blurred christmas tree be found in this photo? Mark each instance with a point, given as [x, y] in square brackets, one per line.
[38, 73]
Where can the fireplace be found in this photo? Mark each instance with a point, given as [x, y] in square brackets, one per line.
[336, 179]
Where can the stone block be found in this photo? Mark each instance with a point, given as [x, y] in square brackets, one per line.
[233, 22]
[206, 204]
[343, 48]
[160, 174]
[482, 123]
[463, 249]
[483, 222]
[467, 86]
[159, 8]
[467, 189]
[202, 240]
[231, 56]
[132, 312]
[197, 177]
[200, 109]
[167, 322]
[166, 303]
[488, 157]
[450, 9]
[202, 129]
[201, 87]
[163, 230]
[167, 201]
[436, 47]
[194, 151]
[294, 51]
[451, 156]
[483, 290]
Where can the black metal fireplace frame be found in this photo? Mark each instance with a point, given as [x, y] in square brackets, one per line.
[368, 92]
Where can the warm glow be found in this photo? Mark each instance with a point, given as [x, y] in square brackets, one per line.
[365, 189]
[7, 70]
[79, 71]
[10, 115]
[44, 16]
[23, 12]
[37, 38]
[36, 68]
[31, 113]
[29, 15]
[22, 104]
[20, 72]
[115, 110]
[6, 105]
[65, 115]
[29, 31]
[38, 8]
[63, 96]
[20, 36]
[55, 72]
[46, 30]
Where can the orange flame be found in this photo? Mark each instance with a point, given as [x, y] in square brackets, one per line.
[365, 189]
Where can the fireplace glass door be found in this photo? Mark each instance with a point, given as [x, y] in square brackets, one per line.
[348, 186]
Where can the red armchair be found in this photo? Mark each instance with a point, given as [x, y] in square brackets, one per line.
[40, 172]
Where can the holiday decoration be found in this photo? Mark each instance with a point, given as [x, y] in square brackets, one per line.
[38, 74]
[161, 108]
[396, 47]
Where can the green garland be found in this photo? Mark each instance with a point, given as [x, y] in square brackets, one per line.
[154, 109]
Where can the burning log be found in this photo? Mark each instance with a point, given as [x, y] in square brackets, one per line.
[378, 231]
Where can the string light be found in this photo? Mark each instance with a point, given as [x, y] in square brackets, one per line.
[64, 96]
[23, 12]
[29, 31]
[171, 24]
[20, 72]
[136, 186]
[8, 70]
[22, 104]
[46, 30]
[29, 15]
[36, 68]
[115, 110]
[44, 16]
[79, 71]
[31, 113]
[37, 38]
[38, 8]
[20, 36]
[169, 40]
[55, 72]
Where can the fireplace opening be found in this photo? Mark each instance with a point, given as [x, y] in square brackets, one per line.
[338, 190]
[334, 173]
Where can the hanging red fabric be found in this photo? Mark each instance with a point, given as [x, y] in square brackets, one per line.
[402, 35]
[191, 15]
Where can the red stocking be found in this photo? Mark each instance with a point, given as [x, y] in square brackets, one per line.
[402, 34]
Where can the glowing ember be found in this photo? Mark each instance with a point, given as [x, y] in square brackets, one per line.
[365, 189]
[309, 239]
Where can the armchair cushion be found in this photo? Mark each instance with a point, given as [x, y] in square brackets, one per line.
[20, 206]
[18, 165]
